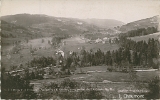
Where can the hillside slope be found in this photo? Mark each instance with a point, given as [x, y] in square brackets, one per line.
[60, 24]
[48, 24]
[144, 23]
[11, 32]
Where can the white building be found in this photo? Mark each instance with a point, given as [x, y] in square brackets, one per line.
[61, 52]
[98, 40]
[70, 52]
[79, 23]
[105, 38]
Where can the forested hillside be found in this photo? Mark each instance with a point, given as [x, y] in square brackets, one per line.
[143, 23]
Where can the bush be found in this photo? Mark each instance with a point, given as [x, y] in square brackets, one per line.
[110, 69]
[14, 87]
[124, 71]
[154, 89]
[155, 66]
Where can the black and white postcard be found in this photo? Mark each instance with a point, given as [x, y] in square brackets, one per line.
[80, 49]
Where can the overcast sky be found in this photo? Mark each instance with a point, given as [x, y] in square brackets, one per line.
[122, 10]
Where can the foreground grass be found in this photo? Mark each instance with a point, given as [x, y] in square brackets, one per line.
[119, 82]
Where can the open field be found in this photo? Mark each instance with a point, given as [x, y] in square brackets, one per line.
[146, 37]
[94, 47]
[36, 43]
[75, 44]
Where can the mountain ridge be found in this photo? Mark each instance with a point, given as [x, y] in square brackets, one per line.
[41, 18]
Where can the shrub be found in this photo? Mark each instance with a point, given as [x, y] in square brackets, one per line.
[154, 89]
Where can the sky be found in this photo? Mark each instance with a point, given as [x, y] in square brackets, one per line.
[122, 10]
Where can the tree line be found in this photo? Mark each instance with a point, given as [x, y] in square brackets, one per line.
[140, 32]
[131, 53]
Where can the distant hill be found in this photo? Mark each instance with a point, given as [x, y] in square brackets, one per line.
[11, 33]
[144, 23]
[49, 24]
[38, 25]
[25, 19]
[61, 25]
[104, 23]
[10, 30]
[28, 20]
[22, 26]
